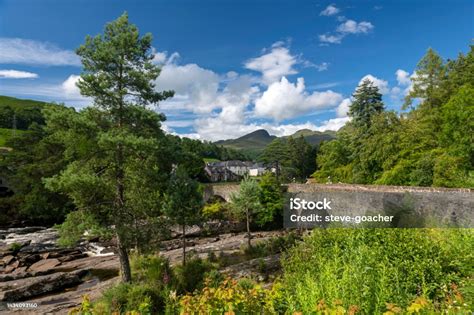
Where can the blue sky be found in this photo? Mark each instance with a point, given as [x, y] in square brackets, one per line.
[238, 66]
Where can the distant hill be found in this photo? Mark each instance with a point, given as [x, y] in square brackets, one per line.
[255, 142]
[20, 112]
[14, 102]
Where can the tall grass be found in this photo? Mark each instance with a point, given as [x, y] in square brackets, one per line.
[372, 267]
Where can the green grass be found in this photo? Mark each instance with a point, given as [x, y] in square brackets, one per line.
[17, 103]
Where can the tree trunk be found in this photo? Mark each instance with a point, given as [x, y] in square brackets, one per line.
[125, 271]
[120, 207]
[248, 228]
[184, 244]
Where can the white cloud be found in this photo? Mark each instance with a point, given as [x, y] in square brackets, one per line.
[218, 128]
[330, 10]
[381, 84]
[344, 29]
[284, 100]
[323, 66]
[195, 87]
[72, 93]
[31, 52]
[353, 27]
[69, 85]
[331, 39]
[159, 57]
[15, 74]
[403, 77]
[275, 64]
[343, 109]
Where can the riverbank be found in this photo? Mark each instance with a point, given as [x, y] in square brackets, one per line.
[36, 270]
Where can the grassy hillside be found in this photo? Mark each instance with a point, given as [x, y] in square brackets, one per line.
[16, 103]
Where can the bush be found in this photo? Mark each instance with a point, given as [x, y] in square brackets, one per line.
[371, 267]
[152, 269]
[271, 246]
[147, 294]
[191, 276]
[215, 211]
[231, 297]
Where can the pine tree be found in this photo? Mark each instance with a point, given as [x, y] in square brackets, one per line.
[429, 74]
[114, 146]
[367, 102]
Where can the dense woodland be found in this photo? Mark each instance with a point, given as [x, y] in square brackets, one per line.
[111, 165]
[431, 144]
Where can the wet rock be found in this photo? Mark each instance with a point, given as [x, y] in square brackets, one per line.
[30, 287]
[20, 270]
[44, 264]
[29, 259]
[72, 257]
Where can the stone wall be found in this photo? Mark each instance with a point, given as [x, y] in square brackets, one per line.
[411, 206]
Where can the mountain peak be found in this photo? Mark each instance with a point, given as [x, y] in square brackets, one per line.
[260, 133]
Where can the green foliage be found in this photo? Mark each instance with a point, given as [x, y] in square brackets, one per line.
[271, 198]
[6, 135]
[295, 157]
[367, 102]
[34, 155]
[22, 113]
[118, 162]
[207, 150]
[183, 200]
[432, 145]
[191, 276]
[76, 224]
[217, 210]
[231, 297]
[371, 267]
[15, 247]
[430, 72]
[271, 246]
[148, 294]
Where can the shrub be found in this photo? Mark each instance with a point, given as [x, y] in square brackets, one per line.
[148, 294]
[191, 276]
[215, 211]
[371, 267]
[230, 298]
[152, 269]
[271, 246]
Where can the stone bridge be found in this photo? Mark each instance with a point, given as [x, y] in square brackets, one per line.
[443, 204]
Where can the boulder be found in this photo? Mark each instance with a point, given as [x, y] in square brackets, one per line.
[8, 259]
[27, 288]
[44, 264]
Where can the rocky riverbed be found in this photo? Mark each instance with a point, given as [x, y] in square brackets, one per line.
[34, 269]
